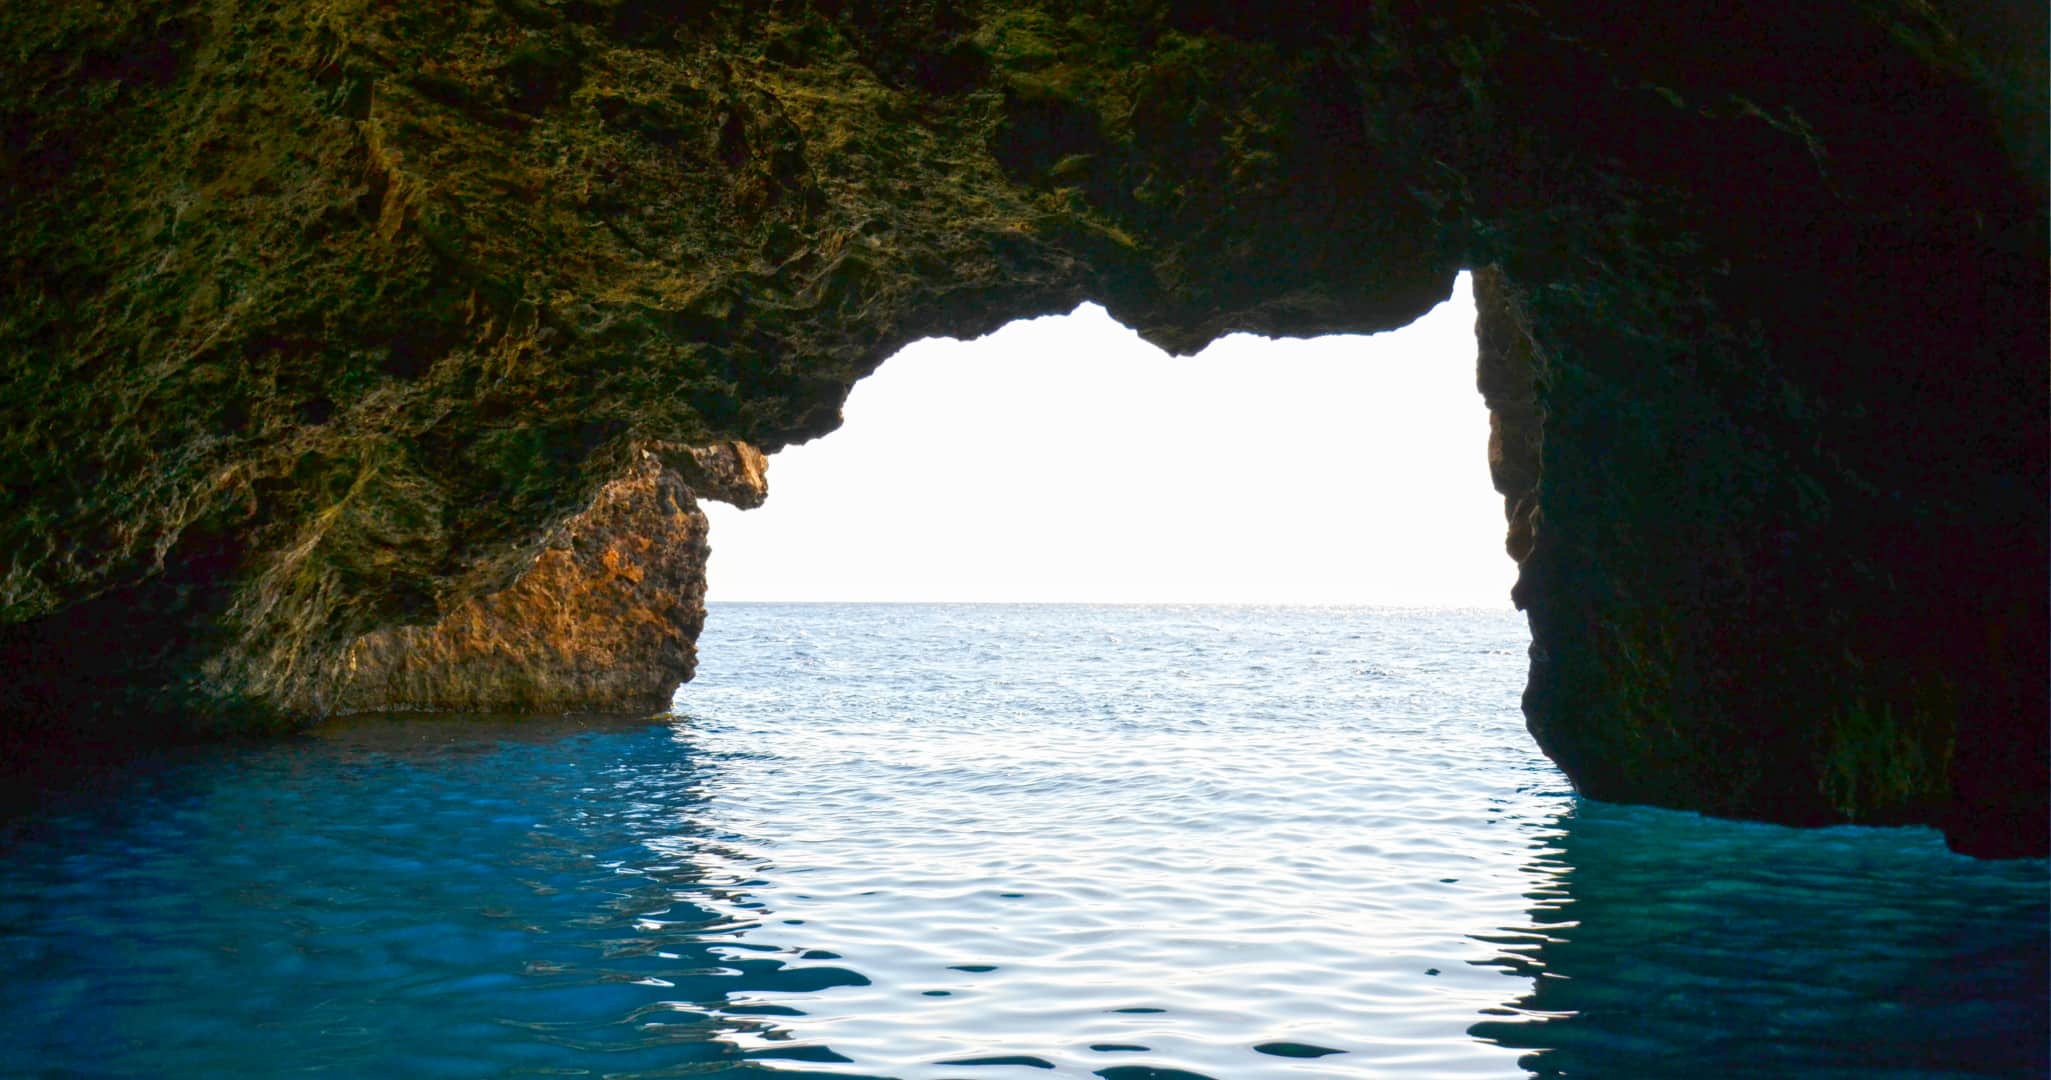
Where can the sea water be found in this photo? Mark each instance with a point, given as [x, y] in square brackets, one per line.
[996, 842]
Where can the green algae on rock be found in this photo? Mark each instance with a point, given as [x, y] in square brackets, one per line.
[325, 322]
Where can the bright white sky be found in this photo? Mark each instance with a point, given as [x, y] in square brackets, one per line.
[1064, 459]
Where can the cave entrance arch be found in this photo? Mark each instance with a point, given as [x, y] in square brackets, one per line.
[323, 346]
[1063, 459]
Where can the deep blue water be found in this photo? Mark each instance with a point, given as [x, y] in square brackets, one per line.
[997, 842]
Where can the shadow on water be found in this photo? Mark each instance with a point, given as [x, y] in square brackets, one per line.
[109, 778]
[402, 897]
[1668, 944]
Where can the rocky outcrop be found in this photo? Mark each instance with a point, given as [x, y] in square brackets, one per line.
[325, 322]
[604, 619]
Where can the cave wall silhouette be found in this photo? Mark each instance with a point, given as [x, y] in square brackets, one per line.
[328, 321]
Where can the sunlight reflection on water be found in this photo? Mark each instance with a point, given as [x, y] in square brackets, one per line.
[995, 842]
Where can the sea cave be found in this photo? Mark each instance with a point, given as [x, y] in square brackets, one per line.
[343, 340]
[366, 367]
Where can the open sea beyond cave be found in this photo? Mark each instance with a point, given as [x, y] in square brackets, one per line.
[996, 842]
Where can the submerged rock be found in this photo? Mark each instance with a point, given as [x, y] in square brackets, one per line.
[337, 337]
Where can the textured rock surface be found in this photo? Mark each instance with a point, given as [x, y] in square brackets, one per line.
[324, 320]
[605, 618]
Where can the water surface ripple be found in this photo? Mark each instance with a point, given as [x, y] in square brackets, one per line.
[1138, 843]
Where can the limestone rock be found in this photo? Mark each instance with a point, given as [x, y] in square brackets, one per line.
[324, 323]
[605, 618]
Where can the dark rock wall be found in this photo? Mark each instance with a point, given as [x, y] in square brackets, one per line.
[1793, 473]
[325, 321]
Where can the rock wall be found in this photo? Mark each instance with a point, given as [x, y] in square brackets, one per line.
[325, 322]
[604, 619]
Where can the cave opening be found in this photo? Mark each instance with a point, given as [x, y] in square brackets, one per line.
[1063, 459]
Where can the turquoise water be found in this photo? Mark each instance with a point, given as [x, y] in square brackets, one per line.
[997, 842]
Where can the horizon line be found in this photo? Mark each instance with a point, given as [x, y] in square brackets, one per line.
[1383, 604]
